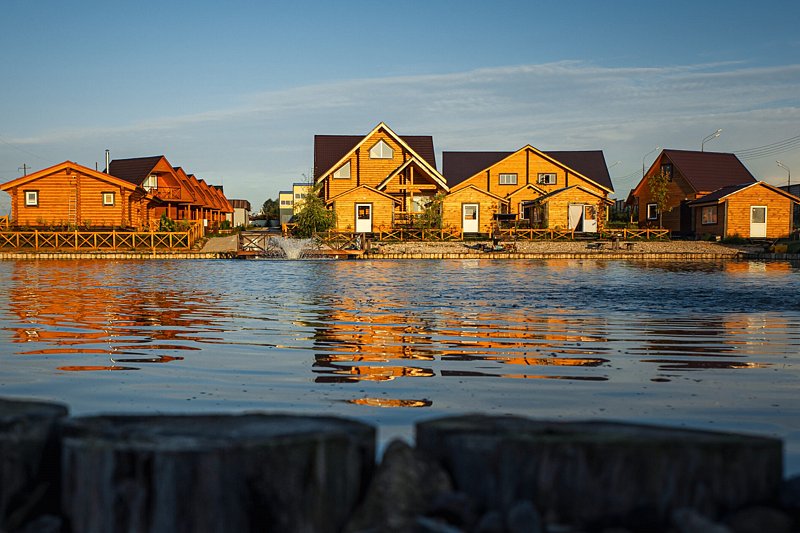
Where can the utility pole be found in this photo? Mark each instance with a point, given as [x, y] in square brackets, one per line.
[24, 168]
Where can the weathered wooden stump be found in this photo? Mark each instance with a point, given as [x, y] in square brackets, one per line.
[251, 472]
[29, 460]
[596, 473]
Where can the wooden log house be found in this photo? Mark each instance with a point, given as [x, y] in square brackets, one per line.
[71, 195]
[183, 196]
[691, 175]
[553, 190]
[377, 181]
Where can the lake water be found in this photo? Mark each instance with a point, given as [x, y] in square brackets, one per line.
[702, 345]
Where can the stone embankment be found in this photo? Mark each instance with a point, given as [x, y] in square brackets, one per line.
[267, 472]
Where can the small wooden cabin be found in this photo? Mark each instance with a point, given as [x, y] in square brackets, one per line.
[750, 210]
[471, 210]
[69, 194]
[691, 175]
[364, 210]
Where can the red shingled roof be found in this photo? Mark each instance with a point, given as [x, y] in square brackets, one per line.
[328, 149]
[709, 171]
[458, 166]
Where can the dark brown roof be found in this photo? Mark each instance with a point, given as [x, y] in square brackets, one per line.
[458, 166]
[709, 171]
[719, 193]
[328, 149]
[240, 204]
[135, 169]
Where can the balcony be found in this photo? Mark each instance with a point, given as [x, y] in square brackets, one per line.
[165, 193]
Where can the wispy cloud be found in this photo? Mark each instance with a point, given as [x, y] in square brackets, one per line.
[262, 142]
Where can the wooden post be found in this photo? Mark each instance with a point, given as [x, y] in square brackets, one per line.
[250, 472]
[587, 472]
[29, 461]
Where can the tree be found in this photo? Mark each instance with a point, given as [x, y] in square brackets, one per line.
[313, 216]
[271, 209]
[659, 193]
[431, 217]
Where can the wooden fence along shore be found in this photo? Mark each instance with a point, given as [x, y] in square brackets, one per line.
[99, 240]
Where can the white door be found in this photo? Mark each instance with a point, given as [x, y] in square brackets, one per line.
[758, 221]
[363, 218]
[575, 215]
[469, 218]
[589, 219]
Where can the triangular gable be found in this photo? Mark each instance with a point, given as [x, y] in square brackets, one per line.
[482, 191]
[527, 186]
[557, 192]
[399, 140]
[367, 187]
[438, 178]
[63, 166]
[187, 191]
[544, 156]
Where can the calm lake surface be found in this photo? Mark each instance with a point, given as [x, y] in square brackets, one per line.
[702, 345]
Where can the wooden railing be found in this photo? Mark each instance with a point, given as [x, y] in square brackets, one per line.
[556, 235]
[637, 234]
[3, 222]
[110, 240]
[342, 239]
[167, 193]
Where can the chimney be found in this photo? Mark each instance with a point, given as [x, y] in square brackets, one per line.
[108, 160]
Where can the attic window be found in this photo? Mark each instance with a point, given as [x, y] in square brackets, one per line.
[343, 172]
[150, 182]
[108, 198]
[666, 170]
[381, 151]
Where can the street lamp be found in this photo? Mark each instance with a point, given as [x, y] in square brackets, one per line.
[784, 167]
[709, 137]
[645, 157]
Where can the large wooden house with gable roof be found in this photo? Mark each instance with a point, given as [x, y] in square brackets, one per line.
[691, 175]
[376, 181]
[556, 190]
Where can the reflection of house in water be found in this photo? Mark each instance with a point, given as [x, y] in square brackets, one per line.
[693, 344]
[387, 344]
[95, 311]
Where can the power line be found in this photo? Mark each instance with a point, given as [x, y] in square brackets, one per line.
[21, 149]
[767, 150]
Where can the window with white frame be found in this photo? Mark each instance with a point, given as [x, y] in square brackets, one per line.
[708, 215]
[108, 198]
[652, 211]
[508, 179]
[381, 150]
[150, 182]
[343, 172]
[31, 198]
[547, 178]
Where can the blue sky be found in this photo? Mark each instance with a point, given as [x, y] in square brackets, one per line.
[234, 92]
